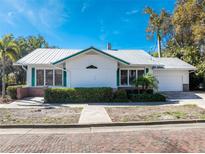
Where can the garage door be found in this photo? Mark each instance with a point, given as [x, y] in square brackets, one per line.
[169, 80]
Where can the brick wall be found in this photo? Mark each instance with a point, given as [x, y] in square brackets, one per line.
[30, 92]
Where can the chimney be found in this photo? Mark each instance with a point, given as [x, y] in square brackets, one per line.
[109, 46]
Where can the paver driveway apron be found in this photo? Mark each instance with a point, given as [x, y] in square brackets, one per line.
[94, 114]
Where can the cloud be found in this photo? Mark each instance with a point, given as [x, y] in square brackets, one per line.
[103, 34]
[132, 12]
[125, 20]
[44, 17]
[116, 32]
[85, 6]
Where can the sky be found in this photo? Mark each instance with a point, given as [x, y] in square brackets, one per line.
[82, 23]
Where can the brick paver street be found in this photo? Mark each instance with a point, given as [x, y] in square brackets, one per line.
[142, 140]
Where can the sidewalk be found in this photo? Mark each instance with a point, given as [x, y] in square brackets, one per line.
[94, 114]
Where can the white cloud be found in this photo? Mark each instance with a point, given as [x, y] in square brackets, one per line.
[43, 17]
[116, 32]
[85, 6]
[132, 12]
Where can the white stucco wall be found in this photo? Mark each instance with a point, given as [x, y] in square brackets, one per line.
[103, 76]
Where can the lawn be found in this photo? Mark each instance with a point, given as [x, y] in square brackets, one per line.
[155, 113]
[64, 115]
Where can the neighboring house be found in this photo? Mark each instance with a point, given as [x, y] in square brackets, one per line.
[102, 68]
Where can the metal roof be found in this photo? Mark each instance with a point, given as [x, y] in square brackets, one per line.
[132, 57]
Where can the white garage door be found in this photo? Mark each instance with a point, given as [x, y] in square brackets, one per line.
[169, 80]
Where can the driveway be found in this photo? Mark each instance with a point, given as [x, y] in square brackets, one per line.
[166, 139]
[192, 95]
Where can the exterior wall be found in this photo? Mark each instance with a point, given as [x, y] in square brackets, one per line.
[172, 80]
[104, 76]
[30, 92]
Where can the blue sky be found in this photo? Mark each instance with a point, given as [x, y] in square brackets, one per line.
[82, 23]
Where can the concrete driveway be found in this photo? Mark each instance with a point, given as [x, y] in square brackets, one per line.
[198, 95]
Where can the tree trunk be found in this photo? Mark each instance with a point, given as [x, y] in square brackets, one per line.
[159, 45]
[3, 77]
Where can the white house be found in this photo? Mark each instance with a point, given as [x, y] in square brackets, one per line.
[102, 68]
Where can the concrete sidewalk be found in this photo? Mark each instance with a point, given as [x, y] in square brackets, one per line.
[94, 114]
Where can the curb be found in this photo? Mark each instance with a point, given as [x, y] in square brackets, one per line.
[140, 123]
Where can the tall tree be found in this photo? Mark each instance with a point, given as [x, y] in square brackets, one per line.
[8, 49]
[189, 23]
[159, 25]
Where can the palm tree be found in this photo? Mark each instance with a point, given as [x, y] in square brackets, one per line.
[147, 81]
[8, 49]
[159, 25]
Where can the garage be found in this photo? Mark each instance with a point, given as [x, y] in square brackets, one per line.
[171, 80]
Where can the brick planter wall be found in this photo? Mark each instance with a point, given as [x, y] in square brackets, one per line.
[30, 92]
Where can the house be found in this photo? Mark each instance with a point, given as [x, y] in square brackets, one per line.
[92, 67]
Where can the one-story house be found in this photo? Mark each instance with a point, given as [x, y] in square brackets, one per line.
[92, 67]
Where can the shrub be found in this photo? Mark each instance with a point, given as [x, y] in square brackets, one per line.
[147, 81]
[147, 97]
[120, 96]
[78, 95]
[11, 91]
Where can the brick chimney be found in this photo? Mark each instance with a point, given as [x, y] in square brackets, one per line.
[109, 46]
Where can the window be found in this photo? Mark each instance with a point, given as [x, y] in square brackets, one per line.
[140, 73]
[49, 77]
[124, 77]
[128, 76]
[58, 77]
[40, 77]
[132, 76]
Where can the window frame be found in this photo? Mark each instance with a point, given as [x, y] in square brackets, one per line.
[128, 80]
[44, 80]
[54, 75]
[41, 69]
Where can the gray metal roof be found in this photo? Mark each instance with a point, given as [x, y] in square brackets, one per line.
[133, 57]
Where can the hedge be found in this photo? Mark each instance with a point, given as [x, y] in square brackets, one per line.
[120, 95]
[78, 95]
[12, 91]
[157, 97]
[89, 95]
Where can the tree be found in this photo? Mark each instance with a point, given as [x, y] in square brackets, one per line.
[189, 23]
[159, 25]
[8, 49]
[188, 37]
[147, 81]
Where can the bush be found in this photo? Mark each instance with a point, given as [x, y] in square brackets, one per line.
[147, 97]
[11, 91]
[120, 96]
[78, 95]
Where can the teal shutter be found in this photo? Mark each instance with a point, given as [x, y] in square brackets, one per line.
[64, 78]
[147, 70]
[117, 77]
[33, 77]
